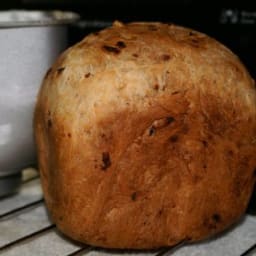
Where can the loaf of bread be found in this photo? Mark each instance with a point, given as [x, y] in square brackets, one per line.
[146, 137]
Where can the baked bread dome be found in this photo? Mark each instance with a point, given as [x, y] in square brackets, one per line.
[146, 136]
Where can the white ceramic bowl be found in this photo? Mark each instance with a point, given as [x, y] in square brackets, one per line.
[29, 42]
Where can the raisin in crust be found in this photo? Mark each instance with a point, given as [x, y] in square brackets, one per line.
[146, 136]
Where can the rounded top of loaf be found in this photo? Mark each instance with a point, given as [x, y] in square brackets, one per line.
[131, 62]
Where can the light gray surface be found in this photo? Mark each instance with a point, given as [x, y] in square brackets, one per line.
[51, 244]
[26, 54]
[98, 252]
[23, 224]
[29, 192]
[232, 243]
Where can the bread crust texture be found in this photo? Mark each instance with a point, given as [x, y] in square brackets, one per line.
[146, 137]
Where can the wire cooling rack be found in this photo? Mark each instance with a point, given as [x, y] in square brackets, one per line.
[25, 229]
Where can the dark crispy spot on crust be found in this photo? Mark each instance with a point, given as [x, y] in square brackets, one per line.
[192, 33]
[106, 161]
[211, 223]
[69, 135]
[230, 153]
[135, 55]
[134, 196]
[87, 75]
[156, 87]
[205, 143]
[152, 27]
[103, 135]
[120, 44]
[170, 119]
[216, 217]
[151, 131]
[111, 49]
[174, 138]
[160, 212]
[60, 70]
[195, 41]
[49, 123]
[165, 57]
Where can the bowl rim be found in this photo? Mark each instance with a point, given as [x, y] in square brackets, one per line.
[35, 18]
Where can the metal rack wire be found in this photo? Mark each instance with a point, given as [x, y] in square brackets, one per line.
[25, 229]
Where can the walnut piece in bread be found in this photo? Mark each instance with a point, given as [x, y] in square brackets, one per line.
[146, 136]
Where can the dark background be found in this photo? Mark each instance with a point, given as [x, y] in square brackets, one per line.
[231, 22]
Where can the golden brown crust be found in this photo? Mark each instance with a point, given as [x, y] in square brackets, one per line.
[146, 136]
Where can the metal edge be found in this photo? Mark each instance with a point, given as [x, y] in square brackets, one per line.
[45, 18]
